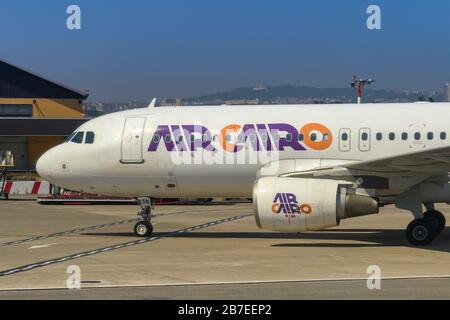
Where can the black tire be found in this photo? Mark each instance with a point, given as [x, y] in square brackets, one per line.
[143, 229]
[440, 218]
[421, 232]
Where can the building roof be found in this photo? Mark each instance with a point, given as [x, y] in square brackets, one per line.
[17, 82]
[27, 127]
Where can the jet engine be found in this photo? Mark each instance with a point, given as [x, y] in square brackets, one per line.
[297, 204]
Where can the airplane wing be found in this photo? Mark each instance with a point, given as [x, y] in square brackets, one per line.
[423, 163]
[433, 160]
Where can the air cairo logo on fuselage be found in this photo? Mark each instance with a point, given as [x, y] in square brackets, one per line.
[234, 137]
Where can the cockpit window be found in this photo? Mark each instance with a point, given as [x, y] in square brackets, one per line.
[69, 138]
[78, 137]
[90, 137]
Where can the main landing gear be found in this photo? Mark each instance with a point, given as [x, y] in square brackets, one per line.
[427, 225]
[422, 231]
[144, 227]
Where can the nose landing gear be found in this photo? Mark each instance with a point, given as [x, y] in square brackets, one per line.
[144, 227]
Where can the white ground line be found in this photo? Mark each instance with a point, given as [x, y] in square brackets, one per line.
[144, 285]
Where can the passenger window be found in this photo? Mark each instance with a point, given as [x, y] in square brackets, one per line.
[90, 137]
[313, 137]
[264, 137]
[300, 137]
[156, 138]
[430, 136]
[417, 135]
[391, 136]
[78, 137]
[325, 137]
[288, 137]
[168, 138]
[443, 135]
[364, 136]
[379, 136]
[404, 136]
[344, 137]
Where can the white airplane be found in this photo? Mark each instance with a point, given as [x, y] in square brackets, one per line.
[305, 166]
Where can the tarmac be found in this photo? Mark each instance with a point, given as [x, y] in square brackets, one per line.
[211, 251]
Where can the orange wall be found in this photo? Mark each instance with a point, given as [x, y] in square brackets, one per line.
[38, 145]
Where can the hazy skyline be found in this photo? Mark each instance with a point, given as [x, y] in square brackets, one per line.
[136, 50]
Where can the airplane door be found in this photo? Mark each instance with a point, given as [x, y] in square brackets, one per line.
[344, 139]
[133, 131]
[364, 139]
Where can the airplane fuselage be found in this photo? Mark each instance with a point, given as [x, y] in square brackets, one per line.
[218, 151]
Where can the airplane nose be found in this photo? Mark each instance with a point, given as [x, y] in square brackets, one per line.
[44, 166]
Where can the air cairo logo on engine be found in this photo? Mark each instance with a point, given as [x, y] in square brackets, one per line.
[287, 203]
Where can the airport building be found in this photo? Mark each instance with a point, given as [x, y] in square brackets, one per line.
[35, 115]
[447, 92]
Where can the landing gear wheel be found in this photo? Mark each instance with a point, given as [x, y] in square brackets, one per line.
[421, 232]
[143, 229]
[440, 218]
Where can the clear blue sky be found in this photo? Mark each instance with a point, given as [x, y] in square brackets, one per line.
[138, 49]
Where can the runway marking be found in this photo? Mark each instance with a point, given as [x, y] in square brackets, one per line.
[62, 233]
[41, 246]
[113, 247]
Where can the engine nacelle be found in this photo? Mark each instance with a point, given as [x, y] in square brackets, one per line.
[296, 204]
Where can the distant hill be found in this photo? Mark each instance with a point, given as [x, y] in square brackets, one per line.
[300, 94]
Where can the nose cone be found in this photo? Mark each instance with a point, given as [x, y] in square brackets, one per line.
[44, 166]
